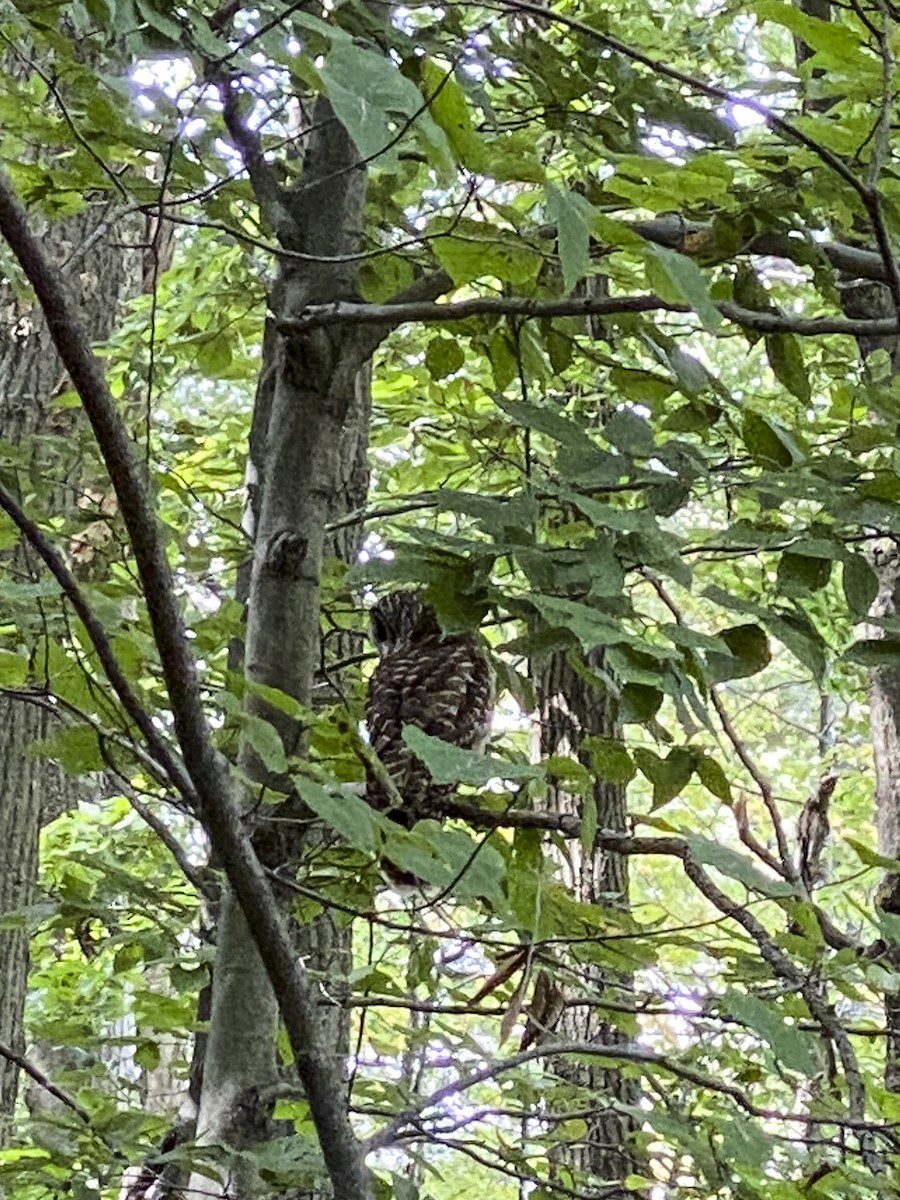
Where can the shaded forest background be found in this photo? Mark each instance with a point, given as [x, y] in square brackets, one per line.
[584, 323]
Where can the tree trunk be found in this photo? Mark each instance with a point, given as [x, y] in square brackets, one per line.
[33, 790]
[307, 468]
[861, 298]
[572, 710]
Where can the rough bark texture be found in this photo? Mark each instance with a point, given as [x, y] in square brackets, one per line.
[33, 791]
[884, 699]
[307, 467]
[572, 709]
[868, 299]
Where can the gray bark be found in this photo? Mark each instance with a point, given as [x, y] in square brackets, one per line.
[33, 790]
[572, 710]
[869, 299]
[307, 467]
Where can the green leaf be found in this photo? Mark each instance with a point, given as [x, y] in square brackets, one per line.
[214, 355]
[669, 776]
[474, 251]
[346, 813]
[689, 282]
[77, 750]
[786, 360]
[443, 356]
[610, 759]
[566, 211]
[366, 90]
[750, 653]
[794, 1047]
[736, 866]
[630, 433]
[266, 742]
[13, 669]
[713, 777]
[441, 857]
[449, 107]
[802, 574]
[639, 704]
[875, 652]
[452, 764]
[860, 585]
[767, 442]
[802, 638]
[871, 857]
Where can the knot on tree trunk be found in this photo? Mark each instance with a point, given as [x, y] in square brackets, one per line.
[285, 554]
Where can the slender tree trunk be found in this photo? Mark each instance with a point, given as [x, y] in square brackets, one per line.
[572, 710]
[307, 468]
[866, 299]
[33, 790]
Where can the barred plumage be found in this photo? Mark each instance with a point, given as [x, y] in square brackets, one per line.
[441, 683]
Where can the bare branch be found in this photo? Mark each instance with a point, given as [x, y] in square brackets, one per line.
[394, 1130]
[35, 1073]
[391, 315]
[161, 752]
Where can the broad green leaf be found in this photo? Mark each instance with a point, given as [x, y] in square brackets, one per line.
[802, 638]
[13, 669]
[688, 282]
[860, 585]
[837, 37]
[547, 420]
[449, 106]
[640, 702]
[566, 211]
[669, 775]
[630, 433]
[443, 356]
[366, 90]
[875, 652]
[441, 857]
[76, 749]
[802, 574]
[769, 443]
[713, 777]
[736, 866]
[871, 857]
[610, 759]
[452, 764]
[469, 250]
[786, 360]
[346, 813]
[794, 1047]
[266, 742]
[749, 649]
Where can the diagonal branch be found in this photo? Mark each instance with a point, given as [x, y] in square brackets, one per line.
[162, 754]
[210, 775]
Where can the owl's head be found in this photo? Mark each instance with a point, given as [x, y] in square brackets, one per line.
[400, 618]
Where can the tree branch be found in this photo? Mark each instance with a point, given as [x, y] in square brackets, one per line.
[390, 315]
[161, 752]
[393, 1131]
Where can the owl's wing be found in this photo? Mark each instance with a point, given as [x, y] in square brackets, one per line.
[445, 688]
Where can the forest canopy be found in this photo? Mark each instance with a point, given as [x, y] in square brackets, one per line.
[568, 335]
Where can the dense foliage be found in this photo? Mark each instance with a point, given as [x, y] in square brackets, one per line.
[652, 431]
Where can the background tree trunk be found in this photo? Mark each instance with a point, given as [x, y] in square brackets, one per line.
[861, 298]
[571, 711]
[33, 790]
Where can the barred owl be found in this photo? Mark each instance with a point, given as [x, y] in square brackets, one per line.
[442, 684]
